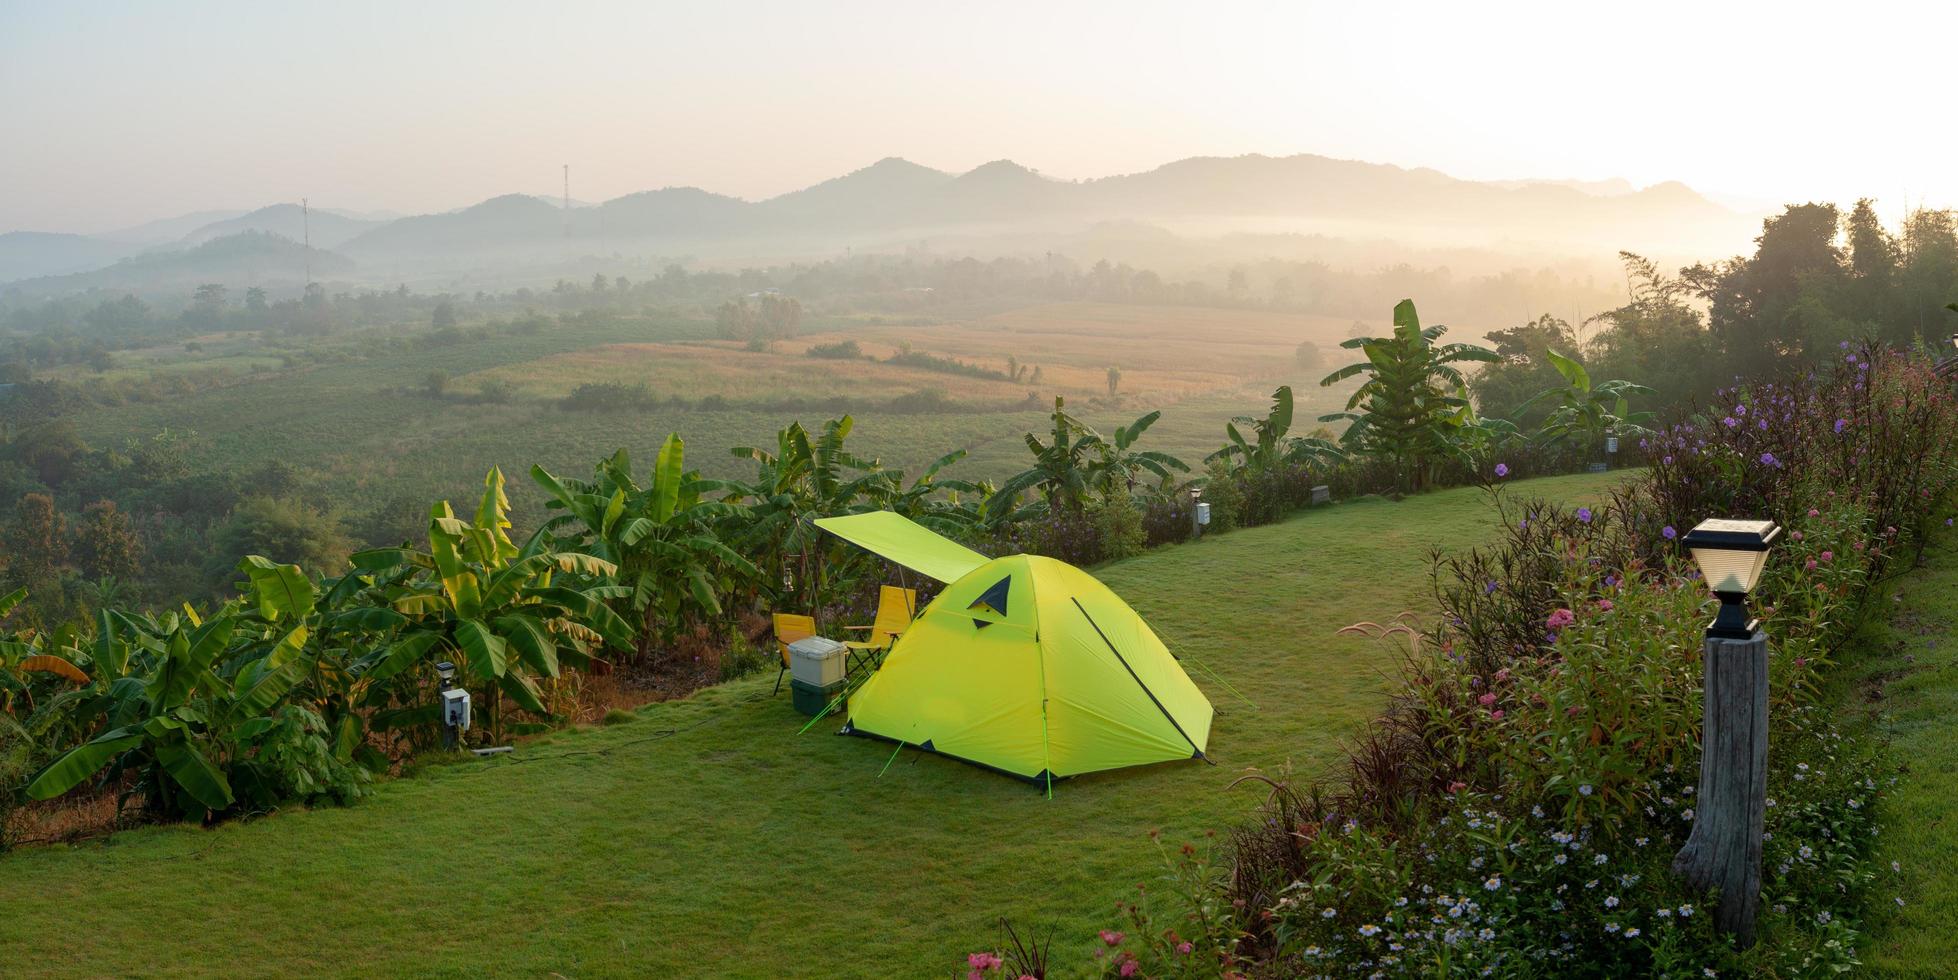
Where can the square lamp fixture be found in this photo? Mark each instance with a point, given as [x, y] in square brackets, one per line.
[1731, 555]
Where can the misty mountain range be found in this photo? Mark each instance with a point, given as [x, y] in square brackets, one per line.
[883, 203]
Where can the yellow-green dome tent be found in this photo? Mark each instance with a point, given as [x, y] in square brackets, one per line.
[1023, 664]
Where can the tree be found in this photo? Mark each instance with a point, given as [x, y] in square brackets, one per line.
[287, 530]
[36, 544]
[1114, 380]
[1411, 399]
[772, 317]
[436, 383]
[1657, 338]
[1308, 357]
[255, 300]
[444, 317]
[1756, 308]
[207, 303]
[105, 543]
[1505, 387]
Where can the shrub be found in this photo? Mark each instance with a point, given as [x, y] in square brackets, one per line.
[609, 396]
[842, 350]
[1118, 521]
[1221, 492]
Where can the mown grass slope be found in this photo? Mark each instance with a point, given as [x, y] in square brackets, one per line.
[706, 837]
[1910, 688]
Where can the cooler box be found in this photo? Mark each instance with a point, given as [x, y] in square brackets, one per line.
[817, 662]
[811, 699]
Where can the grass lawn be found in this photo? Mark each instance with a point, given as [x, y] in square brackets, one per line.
[706, 837]
[1911, 689]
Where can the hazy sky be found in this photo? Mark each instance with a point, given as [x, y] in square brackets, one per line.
[115, 113]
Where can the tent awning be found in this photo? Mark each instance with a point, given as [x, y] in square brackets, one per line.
[906, 542]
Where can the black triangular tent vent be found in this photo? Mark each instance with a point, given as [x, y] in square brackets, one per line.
[992, 600]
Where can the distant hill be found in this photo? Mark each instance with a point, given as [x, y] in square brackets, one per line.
[328, 229]
[498, 223]
[894, 199]
[897, 196]
[168, 230]
[249, 258]
[26, 254]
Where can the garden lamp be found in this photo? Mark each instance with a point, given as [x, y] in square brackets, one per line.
[446, 671]
[1731, 555]
[1954, 340]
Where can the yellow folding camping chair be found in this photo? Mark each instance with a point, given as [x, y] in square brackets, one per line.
[789, 628]
[896, 607]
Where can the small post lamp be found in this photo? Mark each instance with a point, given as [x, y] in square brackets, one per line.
[1731, 555]
[1724, 849]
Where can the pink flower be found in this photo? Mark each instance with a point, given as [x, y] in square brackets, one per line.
[1828, 556]
[1495, 715]
[1812, 512]
[1111, 937]
[1487, 699]
[1571, 712]
[1184, 948]
[982, 961]
[1456, 787]
[1797, 535]
[1560, 619]
[1604, 605]
[1809, 565]
[1129, 967]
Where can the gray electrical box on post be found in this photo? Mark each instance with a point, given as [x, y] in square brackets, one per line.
[455, 709]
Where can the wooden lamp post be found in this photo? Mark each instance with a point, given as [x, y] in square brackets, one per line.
[1724, 849]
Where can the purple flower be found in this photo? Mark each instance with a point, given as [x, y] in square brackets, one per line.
[1668, 533]
[1840, 423]
[1730, 422]
[1584, 514]
[1665, 460]
[1767, 459]
[1502, 470]
[1740, 409]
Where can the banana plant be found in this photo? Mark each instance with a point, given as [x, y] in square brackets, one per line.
[477, 599]
[1121, 463]
[1403, 410]
[801, 480]
[659, 540]
[1587, 410]
[1062, 468]
[193, 697]
[1272, 443]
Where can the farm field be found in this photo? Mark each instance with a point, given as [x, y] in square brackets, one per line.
[706, 837]
[368, 432]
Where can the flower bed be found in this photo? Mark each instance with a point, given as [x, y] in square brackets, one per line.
[1516, 809]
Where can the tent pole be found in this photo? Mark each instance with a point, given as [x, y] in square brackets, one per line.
[1046, 747]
